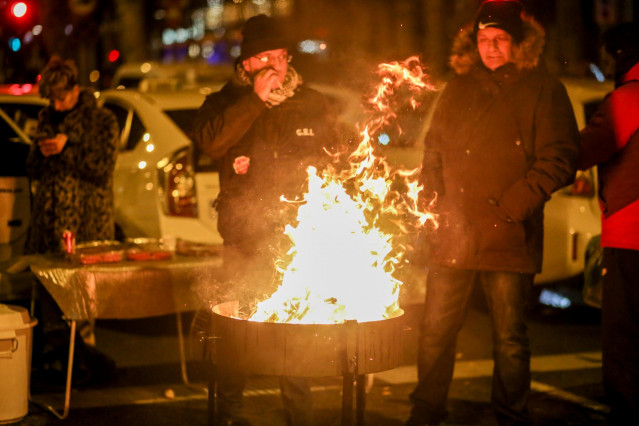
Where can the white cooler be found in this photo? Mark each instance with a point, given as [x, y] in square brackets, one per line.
[16, 335]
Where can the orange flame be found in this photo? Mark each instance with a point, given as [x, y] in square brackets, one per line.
[406, 75]
[347, 243]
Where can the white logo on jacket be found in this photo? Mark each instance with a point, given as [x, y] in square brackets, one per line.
[482, 25]
[304, 132]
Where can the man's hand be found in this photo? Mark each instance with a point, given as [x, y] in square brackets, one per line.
[52, 146]
[499, 211]
[265, 81]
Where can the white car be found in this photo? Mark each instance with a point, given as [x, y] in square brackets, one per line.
[18, 121]
[156, 188]
[152, 74]
[572, 216]
[162, 186]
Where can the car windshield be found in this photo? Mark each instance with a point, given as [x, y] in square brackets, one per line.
[25, 115]
[183, 118]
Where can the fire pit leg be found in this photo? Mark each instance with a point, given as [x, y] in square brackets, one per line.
[212, 396]
[349, 369]
[360, 401]
[347, 399]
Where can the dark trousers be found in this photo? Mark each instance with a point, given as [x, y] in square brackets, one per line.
[296, 397]
[251, 272]
[448, 292]
[620, 328]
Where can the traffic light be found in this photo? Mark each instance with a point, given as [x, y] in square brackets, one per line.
[15, 44]
[19, 10]
[19, 15]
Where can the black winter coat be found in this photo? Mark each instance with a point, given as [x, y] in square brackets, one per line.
[280, 141]
[501, 142]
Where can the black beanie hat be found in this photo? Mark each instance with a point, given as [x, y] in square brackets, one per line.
[622, 43]
[262, 33]
[502, 14]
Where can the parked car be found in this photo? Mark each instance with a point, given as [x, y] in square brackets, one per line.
[14, 188]
[142, 75]
[572, 216]
[164, 188]
[15, 200]
[18, 121]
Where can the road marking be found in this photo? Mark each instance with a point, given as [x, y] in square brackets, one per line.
[568, 396]
[538, 364]
[276, 391]
[484, 367]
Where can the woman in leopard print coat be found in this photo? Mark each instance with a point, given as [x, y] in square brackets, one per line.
[71, 170]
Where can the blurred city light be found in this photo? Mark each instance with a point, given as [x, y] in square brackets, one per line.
[14, 44]
[19, 9]
[113, 55]
[194, 50]
[599, 75]
[312, 46]
[20, 89]
[168, 36]
[94, 76]
[383, 139]
[554, 299]
[208, 49]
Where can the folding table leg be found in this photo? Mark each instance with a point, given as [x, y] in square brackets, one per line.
[67, 392]
[184, 371]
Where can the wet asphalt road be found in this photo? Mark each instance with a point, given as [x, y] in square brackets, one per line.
[148, 389]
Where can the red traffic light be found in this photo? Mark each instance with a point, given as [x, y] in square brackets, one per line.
[114, 55]
[19, 9]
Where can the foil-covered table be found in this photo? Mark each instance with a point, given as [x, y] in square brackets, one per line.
[125, 290]
[128, 289]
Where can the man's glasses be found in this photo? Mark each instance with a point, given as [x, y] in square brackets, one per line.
[274, 59]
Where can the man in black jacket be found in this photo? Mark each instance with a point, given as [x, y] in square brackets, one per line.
[265, 127]
[503, 139]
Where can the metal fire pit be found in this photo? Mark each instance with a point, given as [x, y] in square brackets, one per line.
[352, 350]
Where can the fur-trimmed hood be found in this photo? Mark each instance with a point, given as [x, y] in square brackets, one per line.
[526, 54]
